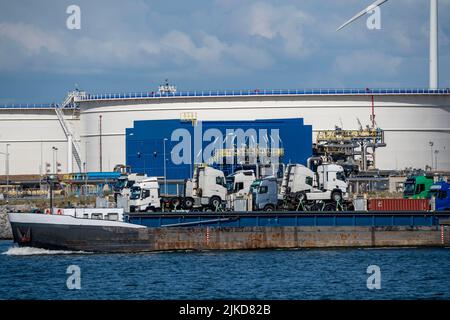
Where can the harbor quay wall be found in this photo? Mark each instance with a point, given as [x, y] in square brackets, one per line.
[5, 227]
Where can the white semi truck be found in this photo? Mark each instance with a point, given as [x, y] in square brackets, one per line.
[145, 196]
[238, 185]
[303, 188]
[239, 182]
[206, 190]
[122, 188]
[126, 181]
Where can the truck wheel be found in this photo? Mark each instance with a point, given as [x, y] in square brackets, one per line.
[336, 196]
[215, 202]
[188, 203]
[316, 207]
[150, 209]
[300, 197]
[330, 207]
[175, 203]
[269, 208]
[349, 207]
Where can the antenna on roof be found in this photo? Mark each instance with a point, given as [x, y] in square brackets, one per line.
[166, 88]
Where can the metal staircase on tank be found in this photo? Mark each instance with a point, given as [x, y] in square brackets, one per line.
[69, 101]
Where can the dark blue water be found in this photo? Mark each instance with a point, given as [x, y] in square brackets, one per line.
[267, 274]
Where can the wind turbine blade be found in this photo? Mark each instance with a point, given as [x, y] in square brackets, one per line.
[363, 12]
[359, 15]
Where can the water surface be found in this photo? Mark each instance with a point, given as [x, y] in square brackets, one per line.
[28, 273]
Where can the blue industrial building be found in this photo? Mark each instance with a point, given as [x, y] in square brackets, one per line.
[185, 142]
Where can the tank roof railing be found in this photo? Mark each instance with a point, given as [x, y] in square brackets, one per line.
[33, 106]
[262, 92]
[232, 93]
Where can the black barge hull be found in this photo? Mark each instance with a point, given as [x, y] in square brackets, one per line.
[120, 239]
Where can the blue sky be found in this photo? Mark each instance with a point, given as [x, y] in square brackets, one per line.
[212, 44]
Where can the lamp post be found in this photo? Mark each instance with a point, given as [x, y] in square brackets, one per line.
[165, 173]
[51, 180]
[86, 155]
[85, 169]
[55, 150]
[229, 142]
[7, 169]
[431, 143]
[436, 152]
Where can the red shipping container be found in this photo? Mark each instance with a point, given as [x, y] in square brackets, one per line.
[399, 205]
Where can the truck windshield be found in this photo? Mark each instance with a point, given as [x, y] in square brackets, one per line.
[432, 194]
[438, 194]
[220, 181]
[120, 184]
[255, 186]
[409, 188]
[230, 184]
[135, 193]
[340, 175]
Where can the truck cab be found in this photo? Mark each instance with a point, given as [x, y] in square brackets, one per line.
[439, 195]
[417, 187]
[264, 194]
[126, 181]
[239, 183]
[145, 196]
[238, 187]
[208, 187]
[332, 182]
[297, 178]
[301, 185]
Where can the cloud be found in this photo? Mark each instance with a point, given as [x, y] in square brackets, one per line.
[182, 45]
[368, 63]
[90, 52]
[211, 51]
[220, 43]
[285, 21]
[32, 39]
